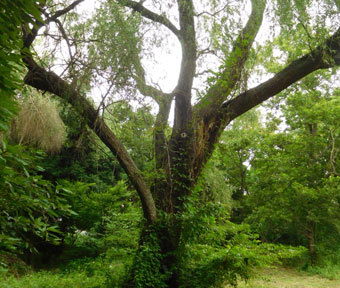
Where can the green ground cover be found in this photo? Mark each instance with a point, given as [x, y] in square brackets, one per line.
[289, 278]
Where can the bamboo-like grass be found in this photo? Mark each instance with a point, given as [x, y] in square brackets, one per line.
[38, 124]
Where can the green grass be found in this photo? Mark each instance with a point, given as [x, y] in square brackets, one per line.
[266, 278]
[79, 273]
[289, 278]
[52, 280]
[328, 270]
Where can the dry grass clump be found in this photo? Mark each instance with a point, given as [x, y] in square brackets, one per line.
[39, 124]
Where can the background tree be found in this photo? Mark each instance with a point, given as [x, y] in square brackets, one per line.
[236, 151]
[119, 30]
[294, 190]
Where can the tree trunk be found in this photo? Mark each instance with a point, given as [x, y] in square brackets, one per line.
[311, 242]
[161, 242]
[156, 260]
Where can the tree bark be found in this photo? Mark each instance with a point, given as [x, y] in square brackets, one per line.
[310, 233]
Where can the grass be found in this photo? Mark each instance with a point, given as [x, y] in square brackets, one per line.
[288, 278]
[80, 273]
[52, 280]
[266, 278]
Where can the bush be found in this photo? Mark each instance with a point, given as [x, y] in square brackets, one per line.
[30, 205]
[328, 263]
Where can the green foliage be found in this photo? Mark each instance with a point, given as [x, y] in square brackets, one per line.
[212, 184]
[30, 205]
[232, 157]
[292, 179]
[134, 127]
[102, 210]
[111, 272]
[13, 14]
[207, 252]
[294, 183]
[102, 237]
[106, 225]
[83, 158]
[215, 252]
[326, 269]
[292, 13]
[12, 265]
[119, 51]
[8, 108]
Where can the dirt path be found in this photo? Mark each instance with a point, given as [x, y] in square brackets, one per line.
[289, 278]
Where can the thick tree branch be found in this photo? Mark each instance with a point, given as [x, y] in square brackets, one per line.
[138, 7]
[161, 151]
[324, 56]
[64, 11]
[189, 48]
[144, 88]
[161, 145]
[208, 123]
[164, 104]
[151, 91]
[183, 109]
[241, 48]
[234, 64]
[41, 79]
[180, 148]
[162, 158]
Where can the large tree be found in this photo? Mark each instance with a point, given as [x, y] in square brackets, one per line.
[110, 49]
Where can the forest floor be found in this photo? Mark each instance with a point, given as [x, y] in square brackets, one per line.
[265, 278]
[288, 278]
